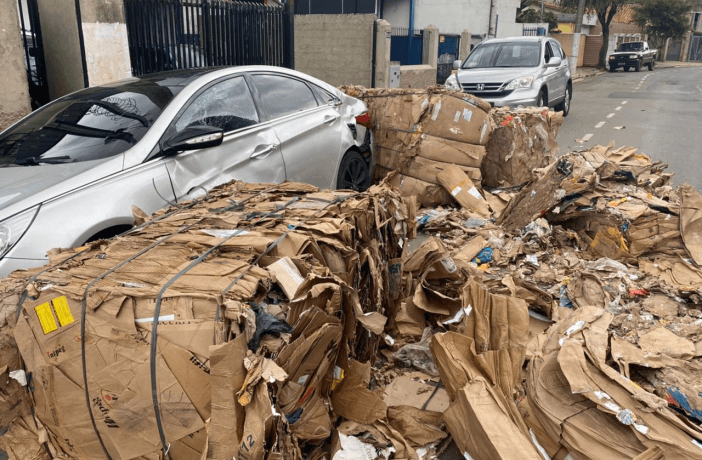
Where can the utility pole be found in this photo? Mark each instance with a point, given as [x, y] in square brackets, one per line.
[576, 36]
[542, 12]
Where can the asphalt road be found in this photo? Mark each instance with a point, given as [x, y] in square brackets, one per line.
[658, 112]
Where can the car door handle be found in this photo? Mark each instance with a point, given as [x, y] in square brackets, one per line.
[263, 150]
[329, 119]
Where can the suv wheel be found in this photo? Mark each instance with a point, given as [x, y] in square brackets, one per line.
[565, 105]
[637, 67]
[626, 69]
[353, 173]
[652, 65]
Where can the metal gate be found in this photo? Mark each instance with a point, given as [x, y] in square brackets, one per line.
[695, 48]
[181, 34]
[406, 45]
[33, 53]
[448, 52]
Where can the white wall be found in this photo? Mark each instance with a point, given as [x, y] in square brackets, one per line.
[506, 25]
[396, 12]
[453, 16]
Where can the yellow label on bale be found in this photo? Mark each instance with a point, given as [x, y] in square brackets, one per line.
[63, 312]
[46, 317]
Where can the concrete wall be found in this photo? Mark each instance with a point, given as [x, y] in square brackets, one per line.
[424, 75]
[566, 41]
[105, 36]
[14, 92]
[62, 53]
[335, 48]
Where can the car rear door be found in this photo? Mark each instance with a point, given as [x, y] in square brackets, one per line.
[250, 150]
[309, 129]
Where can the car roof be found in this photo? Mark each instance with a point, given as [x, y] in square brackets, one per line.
[516, 39]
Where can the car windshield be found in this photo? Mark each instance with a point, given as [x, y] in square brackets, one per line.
[92, 124]
[509, 54]
[630, 47]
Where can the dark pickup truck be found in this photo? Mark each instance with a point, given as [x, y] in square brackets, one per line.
[632, 55]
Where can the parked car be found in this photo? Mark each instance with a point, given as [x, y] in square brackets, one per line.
[71, 171]
[519, 71]
[632, 55]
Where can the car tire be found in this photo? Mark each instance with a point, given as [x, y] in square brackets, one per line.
[612, 69]
[626, 69]
[637, 67]
[354, 173]
[541, 99]
[651, 65]
[565, 105]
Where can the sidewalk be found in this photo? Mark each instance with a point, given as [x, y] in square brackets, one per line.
[582, 73]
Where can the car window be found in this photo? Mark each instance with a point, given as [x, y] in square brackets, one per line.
[282, 96]
[557, 50]
[227, 105]
[325, 96]
[501, 54]
[92, 124]
[548, 53]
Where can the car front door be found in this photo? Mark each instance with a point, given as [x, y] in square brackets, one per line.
[309, 128]
[250, 150]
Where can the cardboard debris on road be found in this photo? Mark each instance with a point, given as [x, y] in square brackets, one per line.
[536, 307]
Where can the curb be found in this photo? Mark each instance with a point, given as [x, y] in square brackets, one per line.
[588, 75]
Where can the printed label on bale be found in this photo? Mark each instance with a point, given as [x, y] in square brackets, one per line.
[46, 318]
[63, 311]
[456, 191]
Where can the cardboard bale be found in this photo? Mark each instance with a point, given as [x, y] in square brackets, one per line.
[521, 141]
[236, 274]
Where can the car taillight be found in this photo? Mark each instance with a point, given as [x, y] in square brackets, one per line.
[364, 119]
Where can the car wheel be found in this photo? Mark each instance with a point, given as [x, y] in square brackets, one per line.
[626, 69]
[565, 105]
[612, 69]
[637, 67]
[541, 100]
[651, 65]
[353, 173]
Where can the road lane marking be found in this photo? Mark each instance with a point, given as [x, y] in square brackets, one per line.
[618, 108]
[600, 124]
[587, 137]
[610, 115]
[624, 102]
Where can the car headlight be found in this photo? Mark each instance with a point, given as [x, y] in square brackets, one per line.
[452, 83]
[633, 56]
[520, 83]
[12, 228]
[611, 58]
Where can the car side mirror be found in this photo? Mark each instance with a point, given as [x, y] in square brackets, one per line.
[554, 62]
[194, 138]
[456, 65]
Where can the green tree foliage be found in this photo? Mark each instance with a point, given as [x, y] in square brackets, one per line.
[662, 19]
[605, 10]
[527, 15]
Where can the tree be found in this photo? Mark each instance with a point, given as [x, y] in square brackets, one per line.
[605, 10]
[662, 19]
[529, 15]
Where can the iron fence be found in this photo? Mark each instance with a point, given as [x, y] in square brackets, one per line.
[533, 31]
[179, 34]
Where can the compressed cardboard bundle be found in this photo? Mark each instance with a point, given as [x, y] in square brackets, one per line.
[521, 140]
[218, 329]
[422, 132]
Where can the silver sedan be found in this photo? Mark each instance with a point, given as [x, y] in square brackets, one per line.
[71, 171]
